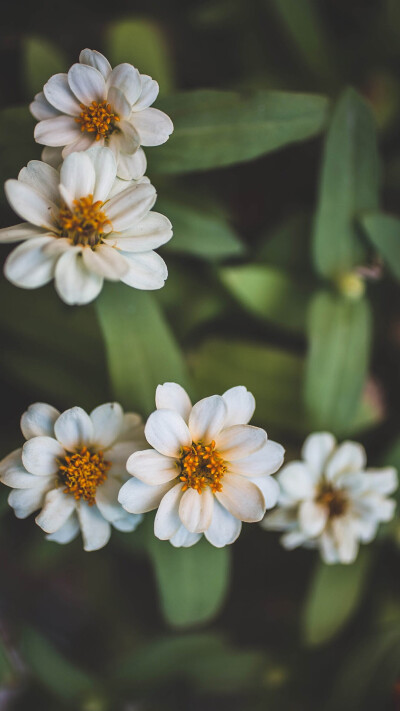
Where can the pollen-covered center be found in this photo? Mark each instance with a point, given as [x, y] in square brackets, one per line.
[82, 472]
[85, 223]
[201, 466]
[334, 499]
[98, 118]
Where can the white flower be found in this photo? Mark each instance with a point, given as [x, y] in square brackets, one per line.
[209, 470]
[84, 225]
[330, 501]
[72, 467]
[94, 102]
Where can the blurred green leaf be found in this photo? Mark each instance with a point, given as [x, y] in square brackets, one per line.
[192, 582]
[368, 674]
[60, 676]
[384, 233]
[215, 128]
[40, 60]
[335, 594]
[338, 356]
[302, 22]
[140, 347]
[200, 231]
[273, 375]
[143, 43]
[17, 145]
[287, 245]
[269, 293]
[349, 185]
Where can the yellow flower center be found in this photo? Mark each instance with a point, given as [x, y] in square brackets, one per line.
[201, 466]
[334, 499]
[86, 223]
[97, 118]
[82, 472]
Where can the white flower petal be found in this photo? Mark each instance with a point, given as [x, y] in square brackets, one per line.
[171, 396]
[313, 518]
[167, 521]
[127, 137]
[127, 522]
[132, 166]
[348, 457]
[242, 498]
[57, 508]
[167, 432]
[183, 538]
[20, 232]
[59, 95]
[18, 478]
[383, 481]
[148, 93]
[40, 455]
[41, 109]
[39, 420]
[296, 481]
[87, 83]
[107, 500]
[43, 178]
[96, 531]
[74, 429]
[316, 451]
[240, 441]
[57, 131]
[119, 454]
[224, 528]
[266, 460]
[137, 497]
[148, 234]
[26, 501]
[345, 538]
[68, 531]
[280, 520]
[151, 467]
[107, 423]
[52, 155]
[195, 510]
[74, 283]
[147, 270]
[119, 103]
[105, 261]
[29, 265]
[328, 549]
[96, 60]
[132, 427]
[269, 488]
[11, 460]
[82, 142]
[105, 169]
[77, 175]
[154, 126]
[131, 205]
[207, 418]
[30, 205]
[293, 539]
[240, 404]
[127, 79]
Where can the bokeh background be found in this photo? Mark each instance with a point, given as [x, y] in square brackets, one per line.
[266, 191]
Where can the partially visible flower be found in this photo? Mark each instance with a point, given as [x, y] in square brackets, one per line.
[330, 501]
[72, 467]
[209, 470]
[84, 225]
[94, 102]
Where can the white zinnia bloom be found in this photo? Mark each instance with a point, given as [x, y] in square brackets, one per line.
[72, 466]
[94, 102]
[209, 470]
[330, 501]
[84, 225]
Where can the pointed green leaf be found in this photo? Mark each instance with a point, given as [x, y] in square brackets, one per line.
[384, 233]
[349, 184]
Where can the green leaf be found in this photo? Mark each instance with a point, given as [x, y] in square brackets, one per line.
[335, 594]
[349, 184]
[192, 582]
[338, 356]
[142, 42]
[287, 245]
[40, 60]
[384, 233]
[215, 128]
[269, 293]
[140, 347]
[17, 145]
[273, 375]
[60, 676]
[200, 231]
